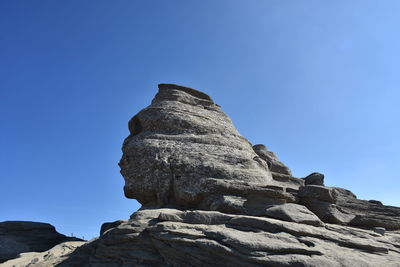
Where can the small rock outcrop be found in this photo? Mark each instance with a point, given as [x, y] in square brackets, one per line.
[211, 198]
[22, 236]
[314, 178]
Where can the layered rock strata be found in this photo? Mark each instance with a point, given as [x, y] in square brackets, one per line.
[170, 237]
[211, 198]
[184, 152]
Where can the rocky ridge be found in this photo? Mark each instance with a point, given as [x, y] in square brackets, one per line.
[22, 236]
[211, 198]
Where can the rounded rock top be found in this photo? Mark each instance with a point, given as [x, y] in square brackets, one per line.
[191, 91]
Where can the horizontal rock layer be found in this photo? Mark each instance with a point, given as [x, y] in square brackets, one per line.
[211, 198]
[180, 146]
[169, 237]
[184, 152]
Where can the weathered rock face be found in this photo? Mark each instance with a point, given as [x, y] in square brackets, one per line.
[22, 236]
[183, 151]
[314, 178]
[210, 198]
[272, 160]
[170, 237]
[49, 258]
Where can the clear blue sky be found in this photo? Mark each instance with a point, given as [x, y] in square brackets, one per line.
[316, 81]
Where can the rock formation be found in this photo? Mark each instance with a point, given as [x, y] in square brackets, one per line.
[211, 198]
[184, 152]
[51, 257]
[21, 236]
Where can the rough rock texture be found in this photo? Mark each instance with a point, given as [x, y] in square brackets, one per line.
[109, 225]
[293, 213]
[338, 205]
[23, 236]
[170, 237]
[210, 198]
[367, 214]
[183, 151]
[272, 160]
[51, 257]
[314, 178]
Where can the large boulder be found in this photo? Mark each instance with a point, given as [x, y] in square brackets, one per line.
[293, 213]
[183, 151]
[274, 164]
[314, 178]
[23, 236]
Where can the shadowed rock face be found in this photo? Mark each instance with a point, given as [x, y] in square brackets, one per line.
[182, 148]
[24, 236]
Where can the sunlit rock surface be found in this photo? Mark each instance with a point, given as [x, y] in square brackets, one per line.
[211, 198]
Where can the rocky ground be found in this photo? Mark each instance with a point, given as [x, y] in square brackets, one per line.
[20, 236]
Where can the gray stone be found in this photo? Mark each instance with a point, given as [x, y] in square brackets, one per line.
[109, 225]
[183, 151]
[367, 214]
[377, 202]
[23, 236]
[180, 142]
[49, 258]
[380, 230]
[314, 178]
[210, 198]
[209, 238]
[274, 164]
[293, 213]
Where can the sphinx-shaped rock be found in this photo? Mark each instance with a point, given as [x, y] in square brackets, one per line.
[183, 151]
[210, 198]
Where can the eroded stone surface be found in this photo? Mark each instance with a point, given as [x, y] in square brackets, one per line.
[23, 236]
[210, 198]
[184, 152]
[164, 237]
[181, 146]
[48, 258]
[314, 178]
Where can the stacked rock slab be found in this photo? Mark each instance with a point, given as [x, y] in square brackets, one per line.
[184, 152]
[170, 237]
